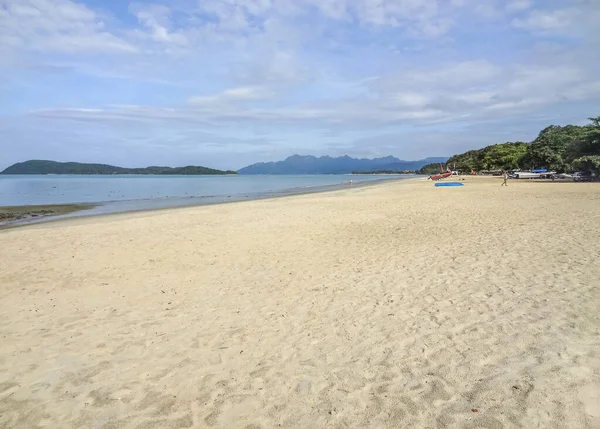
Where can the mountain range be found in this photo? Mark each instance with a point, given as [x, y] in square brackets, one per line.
[53, 167]
[298, 164]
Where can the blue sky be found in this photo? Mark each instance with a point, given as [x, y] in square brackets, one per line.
[226, 83]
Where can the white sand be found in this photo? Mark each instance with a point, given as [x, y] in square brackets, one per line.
[397, 305]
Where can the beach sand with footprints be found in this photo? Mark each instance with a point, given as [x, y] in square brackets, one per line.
[394, 305]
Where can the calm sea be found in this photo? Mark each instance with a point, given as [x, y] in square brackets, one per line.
[119, 193]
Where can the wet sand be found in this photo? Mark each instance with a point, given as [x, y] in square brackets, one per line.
[395, 305]
[17, 215]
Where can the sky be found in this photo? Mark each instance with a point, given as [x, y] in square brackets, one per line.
[226, 83]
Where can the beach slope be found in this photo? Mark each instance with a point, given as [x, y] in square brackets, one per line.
[396, 305]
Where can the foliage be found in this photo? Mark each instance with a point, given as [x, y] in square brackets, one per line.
[503, 156]
[495, 157]
[470, 160]
[52, 167]
[430, 169]
[588, 164]
[556, 148]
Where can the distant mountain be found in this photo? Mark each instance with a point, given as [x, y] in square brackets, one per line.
[298, 164]
[52, 167]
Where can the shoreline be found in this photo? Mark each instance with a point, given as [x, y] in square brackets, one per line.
[185, 203]
[11, 216]
[180, 203]
[396, 305]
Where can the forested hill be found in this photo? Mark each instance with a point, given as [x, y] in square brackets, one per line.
[53, 167]
[560, 149]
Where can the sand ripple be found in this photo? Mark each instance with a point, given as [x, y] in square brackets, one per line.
[399, 305]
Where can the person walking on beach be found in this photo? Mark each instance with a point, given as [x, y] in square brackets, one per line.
[505, 176]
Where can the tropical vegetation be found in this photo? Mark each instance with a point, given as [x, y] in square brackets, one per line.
[430, 169]
[557, 148]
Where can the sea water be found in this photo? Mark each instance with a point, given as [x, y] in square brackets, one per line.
[119, 193]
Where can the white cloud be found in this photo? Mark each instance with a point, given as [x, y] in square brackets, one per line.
[68, 26]
[334, 9]
[230, 15]
[273, 67]
[458, 76]
[518, 5]
[303, 66]
[409, 100]
[156, 18]
[453, 93]
[232, 95]
[416, 17]
[547, 21]
[56, 26]
[487, 10]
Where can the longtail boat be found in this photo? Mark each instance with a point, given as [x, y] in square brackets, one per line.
[440, 176]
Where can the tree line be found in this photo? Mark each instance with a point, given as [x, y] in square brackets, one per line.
[563, 149]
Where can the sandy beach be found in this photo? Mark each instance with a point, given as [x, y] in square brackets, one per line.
[394, 305]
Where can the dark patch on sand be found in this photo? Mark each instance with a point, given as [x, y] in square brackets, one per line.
[15, 215]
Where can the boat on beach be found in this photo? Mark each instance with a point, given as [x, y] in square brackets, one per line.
[440, 176]
[535, 174]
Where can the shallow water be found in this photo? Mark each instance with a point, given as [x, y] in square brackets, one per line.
[120, 193]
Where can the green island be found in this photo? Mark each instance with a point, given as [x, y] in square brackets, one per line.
[53, 167]
[563, 149]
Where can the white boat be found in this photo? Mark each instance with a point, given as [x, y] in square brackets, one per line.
[526, 175]
[563, 176]
[530, 175]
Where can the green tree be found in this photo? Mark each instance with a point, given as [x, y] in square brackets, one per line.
[555, 148]
[471, 160]
[589, 163]
[429, 169]
[503, 156]
[585, 152]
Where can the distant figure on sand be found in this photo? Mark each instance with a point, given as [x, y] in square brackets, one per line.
[505, 176]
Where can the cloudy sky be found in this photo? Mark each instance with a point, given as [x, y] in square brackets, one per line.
[225, 83]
